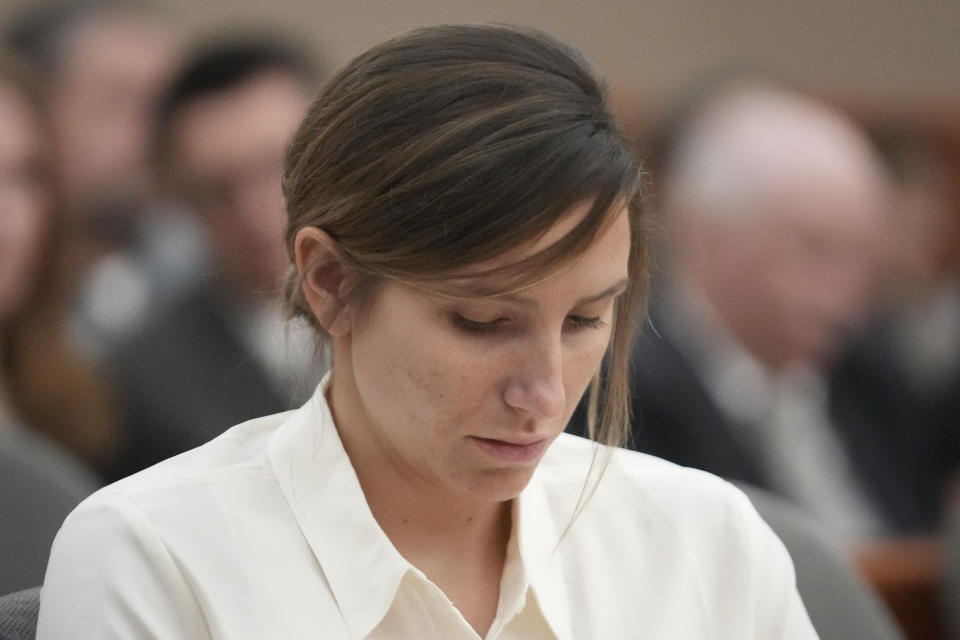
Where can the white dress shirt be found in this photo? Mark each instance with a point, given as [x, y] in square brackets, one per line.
[264, 533]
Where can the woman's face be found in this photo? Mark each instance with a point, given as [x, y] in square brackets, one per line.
[466, 394]
[23, 201]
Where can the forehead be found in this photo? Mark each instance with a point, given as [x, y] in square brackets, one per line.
[828, 202]
[266, 108]
[118, 46]
[564, 225]
[605, 259]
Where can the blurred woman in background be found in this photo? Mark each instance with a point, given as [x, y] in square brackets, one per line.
[42, 379]
[41, 383]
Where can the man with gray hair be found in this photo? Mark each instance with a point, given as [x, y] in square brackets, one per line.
[772, 205]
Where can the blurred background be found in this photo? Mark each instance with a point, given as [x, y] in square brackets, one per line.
[141, 253]
[878, 50]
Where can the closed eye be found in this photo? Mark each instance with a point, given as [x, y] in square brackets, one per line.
[476, 327]
[585, 322]
[482, 328]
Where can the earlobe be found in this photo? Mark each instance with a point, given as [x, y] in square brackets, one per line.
[323, 277]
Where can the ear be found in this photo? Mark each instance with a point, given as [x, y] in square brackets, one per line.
[324, 279]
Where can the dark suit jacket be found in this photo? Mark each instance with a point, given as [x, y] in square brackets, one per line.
[888, 408]
[675, 418]
[185, 379]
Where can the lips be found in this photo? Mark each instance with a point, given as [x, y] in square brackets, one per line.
[512, 451]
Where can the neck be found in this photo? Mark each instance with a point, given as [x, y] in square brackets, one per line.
[432, 532]
[459, 543]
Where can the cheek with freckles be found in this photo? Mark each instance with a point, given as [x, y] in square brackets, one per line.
[445, 388]
[431, 396]
[422, 387]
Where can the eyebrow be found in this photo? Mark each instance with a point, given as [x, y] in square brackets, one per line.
[610, 292]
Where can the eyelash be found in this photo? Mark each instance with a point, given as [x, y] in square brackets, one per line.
[584, 322]
[487, 328]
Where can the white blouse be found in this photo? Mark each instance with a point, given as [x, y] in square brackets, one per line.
[264, 533]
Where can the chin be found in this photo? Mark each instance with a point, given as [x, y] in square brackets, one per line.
[500, 485]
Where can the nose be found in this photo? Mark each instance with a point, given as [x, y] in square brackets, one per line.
[536, 384]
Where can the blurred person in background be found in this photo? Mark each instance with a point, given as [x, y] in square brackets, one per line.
[103, 65]
[772, 208]
[220, 355]
[909, 355]
[39, 482]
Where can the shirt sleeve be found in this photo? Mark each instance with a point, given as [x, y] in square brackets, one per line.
[781, 614]
[110, 576]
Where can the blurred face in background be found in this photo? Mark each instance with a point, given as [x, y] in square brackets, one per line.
[102, 105]
[797, 278]
[780, 204]
[24, 198]
[226, 163]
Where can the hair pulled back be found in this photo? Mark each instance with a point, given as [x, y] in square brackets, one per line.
[451, 145]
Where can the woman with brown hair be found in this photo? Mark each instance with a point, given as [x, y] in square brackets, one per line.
[43, 380]
[465, 235]
[39, 483]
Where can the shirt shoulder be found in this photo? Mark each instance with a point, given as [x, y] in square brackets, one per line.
[638, 492]
[167, 551]
[240, 453]
[649, 534]
[630, 475]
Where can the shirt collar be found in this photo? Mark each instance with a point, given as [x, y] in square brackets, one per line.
[324, 493]
[361, 565]
[539, 533]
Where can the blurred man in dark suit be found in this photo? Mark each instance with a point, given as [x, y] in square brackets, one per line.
[221, 354]
[772, 205]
